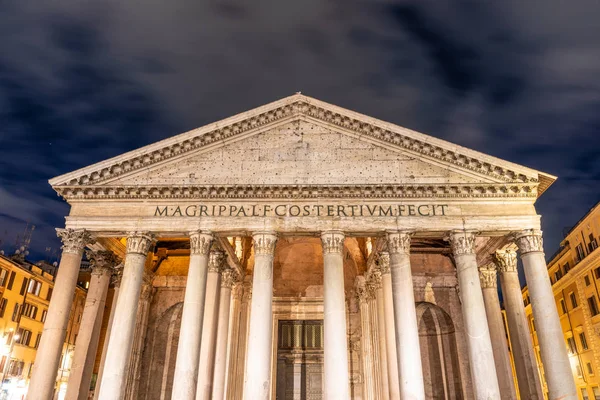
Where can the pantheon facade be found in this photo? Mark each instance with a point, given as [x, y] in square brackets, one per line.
[300, 250]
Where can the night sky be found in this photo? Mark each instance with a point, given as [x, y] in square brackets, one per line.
[84, 81]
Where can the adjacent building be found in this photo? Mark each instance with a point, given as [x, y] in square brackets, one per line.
[25, 293]
[574, 272]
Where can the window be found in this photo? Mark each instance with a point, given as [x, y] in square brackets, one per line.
[49, 296]
[587, 280]
[3, 303]
[30, 310]
[567, 267]
[580, 252]
[24, 336]
[593, 305]
[557, 275]
[37, 340]
[563, 306]
[583, 341]
[596, 392]
[532, 326]
[579, 372]
[590, 370]
[571, 346]
[584, 394]
[3, 277]
[44, 314]
[11, 280]
[23, 286]
[593, 245]
[34, 287]
[573, 300]
[15, 316]
[597, 273]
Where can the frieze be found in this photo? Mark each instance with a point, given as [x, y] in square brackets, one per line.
[391, 191]
[300, 105]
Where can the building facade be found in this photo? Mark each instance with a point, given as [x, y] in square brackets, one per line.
[303, 251]
[25, 293]
[575, 275]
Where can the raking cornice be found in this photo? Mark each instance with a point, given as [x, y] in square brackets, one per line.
[90, 179]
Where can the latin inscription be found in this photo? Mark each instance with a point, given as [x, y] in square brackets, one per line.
[309, 210]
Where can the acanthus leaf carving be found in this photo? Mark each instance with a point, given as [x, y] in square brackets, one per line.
[74, 240]
[399, 242]
[462, 242]
[487, 276]
[505, 260]
[140, 242]
[530, 240]
[264, 243]
[200, 242]
[332, 242]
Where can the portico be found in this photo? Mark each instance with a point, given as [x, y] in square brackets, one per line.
[300, 250]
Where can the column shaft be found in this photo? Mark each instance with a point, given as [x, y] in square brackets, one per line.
[121, 335]
[107, 336]
[234, 347]
[390, 331]
[335, 343]
[365, 339]
[45, 368]
[210, 321]
[80, 376]
[495, 322]
[405, 318]
[528, 377]
[382, 349]
[218, 392]
[257, 382]
[481, 355]
[188, 349]
[557, 367]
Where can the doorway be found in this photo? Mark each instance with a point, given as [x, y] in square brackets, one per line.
[300, 360]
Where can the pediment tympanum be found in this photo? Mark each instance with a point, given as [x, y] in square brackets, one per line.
[306, 147]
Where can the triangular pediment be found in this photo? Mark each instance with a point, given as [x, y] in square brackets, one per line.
[304, 143]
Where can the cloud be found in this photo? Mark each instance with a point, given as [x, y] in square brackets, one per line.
[517, 80]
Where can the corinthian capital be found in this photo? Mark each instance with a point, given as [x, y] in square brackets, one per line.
[228, 278]
[333, 242]
[384, 262]
[529, 240]
[264, 243]
[462, 242]
[506, 260]
[399, 242]
[215, 261]
[200, 242]
[102, 261]
[74, 240]
[487, 276]
[140, 242]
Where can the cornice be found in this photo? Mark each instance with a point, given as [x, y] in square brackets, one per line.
[389, 191]
[301, 107]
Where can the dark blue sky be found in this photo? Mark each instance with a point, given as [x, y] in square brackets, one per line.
[84, 81]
